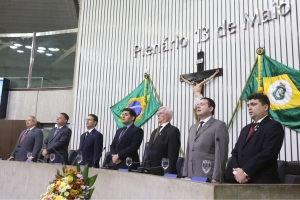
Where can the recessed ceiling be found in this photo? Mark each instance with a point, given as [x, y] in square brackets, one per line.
[27, 16]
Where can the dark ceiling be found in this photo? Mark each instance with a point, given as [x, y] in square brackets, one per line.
[27, 16]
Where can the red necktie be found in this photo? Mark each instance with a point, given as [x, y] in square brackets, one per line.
[24, 135]
[251, 130]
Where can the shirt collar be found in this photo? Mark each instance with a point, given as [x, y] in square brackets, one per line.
[205, 120]
[90, 130]
[163, 125]
[31, 128]
[258, 121]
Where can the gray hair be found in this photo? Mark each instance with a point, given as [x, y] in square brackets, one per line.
[168, 111]
[34, 119]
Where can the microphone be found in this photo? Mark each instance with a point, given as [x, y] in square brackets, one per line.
[98, 157]
[141, 169]
[221, 178]
[59, 155]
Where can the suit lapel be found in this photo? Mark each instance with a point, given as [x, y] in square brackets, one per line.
[267, 118]
[202, 129]
[88, 137]
[30, 132]
[58, 132]
[163, 131]
[127, 132]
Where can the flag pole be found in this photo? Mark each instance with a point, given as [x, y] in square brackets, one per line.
[239, 103]
[147, 76]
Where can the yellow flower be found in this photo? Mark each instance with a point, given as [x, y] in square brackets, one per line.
[70, 179]
[59, 198]
[66, 194]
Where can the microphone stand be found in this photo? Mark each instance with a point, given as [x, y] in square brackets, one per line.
[221, 179]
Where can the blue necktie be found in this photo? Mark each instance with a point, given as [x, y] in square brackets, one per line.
[57, 129]
[122, 133]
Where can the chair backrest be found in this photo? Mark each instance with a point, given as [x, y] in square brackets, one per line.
[179, 166]
[281, 165]
[107, 159]
[145, 154]
[292, 173]
[72, 157]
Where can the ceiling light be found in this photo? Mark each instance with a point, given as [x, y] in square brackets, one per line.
[49, 54]
[13, 47]
[17, 45]
[40, 51]
[20, 51]
[42, 48]
[28, 47]
[53, 49]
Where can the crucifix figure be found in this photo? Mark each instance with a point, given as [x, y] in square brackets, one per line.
[198, 79]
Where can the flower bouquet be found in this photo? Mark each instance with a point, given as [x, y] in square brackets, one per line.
[72, 184]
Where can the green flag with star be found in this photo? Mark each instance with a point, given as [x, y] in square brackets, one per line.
[141, 100]
[281, 84]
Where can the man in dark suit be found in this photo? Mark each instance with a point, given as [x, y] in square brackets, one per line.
[208, 140]
[30, 140]
[91, 142]
[127, 141]
[58, 140]
[254, 157]
[164, 143]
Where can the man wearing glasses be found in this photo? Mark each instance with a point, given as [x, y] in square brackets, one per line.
[164, 143]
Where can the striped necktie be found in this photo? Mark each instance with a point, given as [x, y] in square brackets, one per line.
[24, 135]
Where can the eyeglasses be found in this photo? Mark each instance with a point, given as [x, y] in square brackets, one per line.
[160, 113]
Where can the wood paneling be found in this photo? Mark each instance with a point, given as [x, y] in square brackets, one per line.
[9, 133]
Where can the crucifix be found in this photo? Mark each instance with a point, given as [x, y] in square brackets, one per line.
[199, 78]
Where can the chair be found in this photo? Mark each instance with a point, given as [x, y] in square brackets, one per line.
[107, 159]
[145, 154]
[281, 165]
[179, 166]
[292, 173]
[72, 157]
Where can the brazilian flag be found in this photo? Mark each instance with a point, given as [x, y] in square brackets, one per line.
[281, 84]
[141, 100]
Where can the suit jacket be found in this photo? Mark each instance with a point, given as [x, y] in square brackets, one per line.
[128, 146]
[58, 144]
[205, 147]
[166, 145]
[91, 148]
[32, 143]
[258, 155]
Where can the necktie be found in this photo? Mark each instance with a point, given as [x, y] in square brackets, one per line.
[122, 133]
[156, 134]
[57, 129]
[199, 127]
[24, 135]
[87, 134]
[251, 130]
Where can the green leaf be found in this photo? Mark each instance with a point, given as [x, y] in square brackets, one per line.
[92, 180]
[90, 194]
[85, 173]
[64, 168]
[77, 167]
